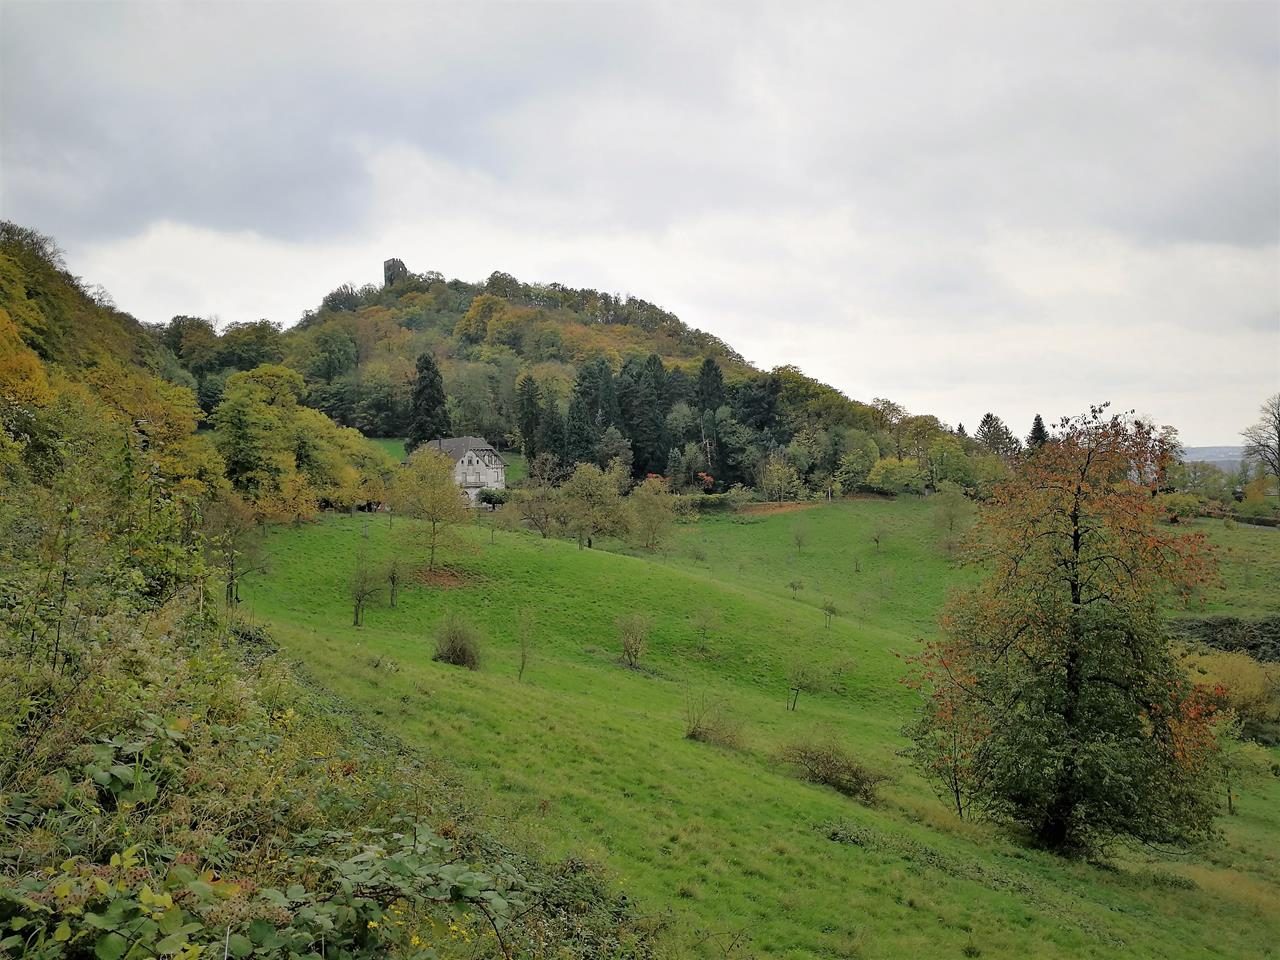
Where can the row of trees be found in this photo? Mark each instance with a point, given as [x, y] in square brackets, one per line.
[589, 502]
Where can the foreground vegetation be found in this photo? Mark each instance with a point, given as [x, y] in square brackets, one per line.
[727, 840]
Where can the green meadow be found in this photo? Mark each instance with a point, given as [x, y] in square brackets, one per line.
[725, 847]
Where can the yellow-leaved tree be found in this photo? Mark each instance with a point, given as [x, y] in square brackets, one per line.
[425, 490]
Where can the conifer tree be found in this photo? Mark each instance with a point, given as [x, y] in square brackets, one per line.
[993, 434]
[550, 438]
[1038, 436]
[710, 389]
[528, 415]
[428, 415]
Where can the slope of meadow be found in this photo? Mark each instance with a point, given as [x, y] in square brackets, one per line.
[724, 846]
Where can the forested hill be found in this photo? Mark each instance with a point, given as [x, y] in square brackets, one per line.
[542, 367]
[582, 375]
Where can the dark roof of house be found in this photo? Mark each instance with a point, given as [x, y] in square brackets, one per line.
[456, 447]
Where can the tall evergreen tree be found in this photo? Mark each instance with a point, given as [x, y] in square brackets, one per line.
[428, 415]
[646, 430]
[593, 409]
[580, 435]
[528, 414]
[550, 437]
[1038, 436]
[993, 434]
[710, 388]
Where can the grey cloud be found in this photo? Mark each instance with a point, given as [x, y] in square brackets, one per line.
[884, 177]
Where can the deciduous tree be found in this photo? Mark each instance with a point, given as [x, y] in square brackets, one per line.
[1262, 440]
[1076, 722]
[653, 512]
[425, 489]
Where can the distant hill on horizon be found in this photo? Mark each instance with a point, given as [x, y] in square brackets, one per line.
[1226, 457]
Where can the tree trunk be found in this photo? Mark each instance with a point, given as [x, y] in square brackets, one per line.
[1056, 830]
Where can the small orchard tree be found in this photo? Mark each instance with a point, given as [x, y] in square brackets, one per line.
[799, 536]
[508, 519]
[633, 633]
[524, 633]
[706, 621]
[425, 489]
[796, 586]
[1077, 722]
[1243, 762]
[801, 677]
[592, 503]
[829, 610]
[233, 541]
[954, 513]
[364, 586]
[538, 500]
[653, 512]
[778, 478]
[395, 576]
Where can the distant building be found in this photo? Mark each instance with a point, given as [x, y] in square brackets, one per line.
[476, 465]
[393, 271]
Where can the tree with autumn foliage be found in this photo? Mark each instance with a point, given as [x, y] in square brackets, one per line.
[426, 490]
[1053, 701]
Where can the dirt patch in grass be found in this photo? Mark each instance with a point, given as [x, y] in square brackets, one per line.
[441, 577]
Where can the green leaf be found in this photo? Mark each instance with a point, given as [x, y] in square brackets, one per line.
[260, 930]
[171, 944]
[63, 933]
[110, 946]
[239, 945]
[171, 921]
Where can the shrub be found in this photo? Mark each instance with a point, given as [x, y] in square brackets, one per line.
[633, 631]
[828, 763]
[457, 643]
[1178, 507]
[707, 721]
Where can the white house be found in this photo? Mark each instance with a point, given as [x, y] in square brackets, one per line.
[476, 465]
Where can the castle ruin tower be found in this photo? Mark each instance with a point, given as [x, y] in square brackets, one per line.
[393, 271]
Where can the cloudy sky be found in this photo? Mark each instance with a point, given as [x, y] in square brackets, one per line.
[1023, 207]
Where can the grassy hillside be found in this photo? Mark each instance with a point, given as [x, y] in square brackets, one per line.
[1249, 562]
[587, 758]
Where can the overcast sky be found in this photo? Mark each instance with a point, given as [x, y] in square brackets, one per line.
[1023, 207]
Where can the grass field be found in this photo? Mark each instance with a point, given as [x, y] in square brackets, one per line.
[739, 858]
[392, 446]
[1249, 564]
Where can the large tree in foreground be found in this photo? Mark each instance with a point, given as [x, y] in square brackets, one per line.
[1054, 701]
[1262, 440]
[428, 415]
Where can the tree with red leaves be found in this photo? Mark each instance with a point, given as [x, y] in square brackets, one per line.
[1054, 702]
